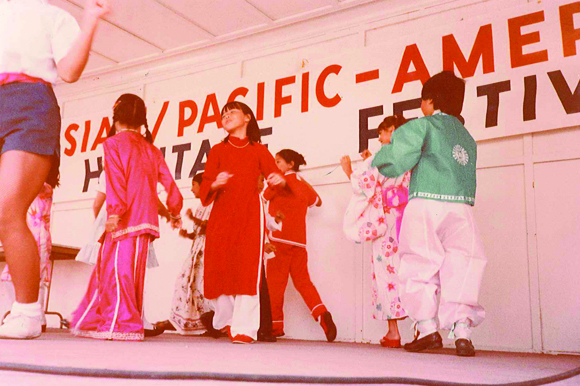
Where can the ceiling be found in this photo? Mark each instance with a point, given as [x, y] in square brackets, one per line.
[140, 29]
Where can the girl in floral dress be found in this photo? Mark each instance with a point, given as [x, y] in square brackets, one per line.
[374, 214]
[38, 220]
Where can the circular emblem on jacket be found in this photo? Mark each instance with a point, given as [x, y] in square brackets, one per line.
[460, 155]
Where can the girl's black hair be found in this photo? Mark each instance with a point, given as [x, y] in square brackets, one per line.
[130, 110]
[253, 130]
[197, 178]
[447, 92]
[392, 120]
[289, 155]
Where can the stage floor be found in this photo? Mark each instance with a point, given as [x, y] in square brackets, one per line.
[171, 353]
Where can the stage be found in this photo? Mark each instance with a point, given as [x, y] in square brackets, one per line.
[171, 359]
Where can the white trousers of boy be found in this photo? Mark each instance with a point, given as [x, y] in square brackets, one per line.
[240, 312]
[440, 249]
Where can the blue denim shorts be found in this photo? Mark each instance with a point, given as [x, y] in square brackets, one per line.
[30, 121]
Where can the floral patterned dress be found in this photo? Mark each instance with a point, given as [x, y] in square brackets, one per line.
[38, 220]
[188, 301]
[374, 214]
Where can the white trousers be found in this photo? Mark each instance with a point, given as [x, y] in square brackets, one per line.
[440, 249]
[240, 312]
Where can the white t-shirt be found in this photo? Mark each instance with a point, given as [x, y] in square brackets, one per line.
[34, 36]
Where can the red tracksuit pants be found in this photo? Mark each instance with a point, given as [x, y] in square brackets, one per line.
[291, 261]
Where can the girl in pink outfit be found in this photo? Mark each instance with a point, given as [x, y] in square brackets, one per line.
[113, 304]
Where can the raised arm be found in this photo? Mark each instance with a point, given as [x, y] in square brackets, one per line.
[404, 151]
[71, 66]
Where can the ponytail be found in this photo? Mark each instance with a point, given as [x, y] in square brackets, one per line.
[290, 155]
[148, 136]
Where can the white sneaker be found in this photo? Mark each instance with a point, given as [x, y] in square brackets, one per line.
[19, 326]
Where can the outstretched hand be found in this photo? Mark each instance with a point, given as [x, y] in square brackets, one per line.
[366, 154]
[221, 180]
[346, 165]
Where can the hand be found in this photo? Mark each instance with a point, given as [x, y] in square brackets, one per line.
[189, 214]
[176, 223]
[97, 9]
[221, 180]
[269, 248]
[276, 179]
[112, 223]
[346, 165]
[366, 154]
[202, 227]
[166, 216]
[183, 233]
[279, 217]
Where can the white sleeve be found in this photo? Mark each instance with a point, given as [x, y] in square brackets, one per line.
[64, 33]
[102, 185]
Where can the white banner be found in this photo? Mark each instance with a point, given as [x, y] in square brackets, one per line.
[521, 68]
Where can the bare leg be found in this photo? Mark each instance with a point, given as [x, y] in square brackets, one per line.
[22, 175]
[393, 333]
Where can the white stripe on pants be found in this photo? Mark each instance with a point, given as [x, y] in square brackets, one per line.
[240, 312]
[441, 248]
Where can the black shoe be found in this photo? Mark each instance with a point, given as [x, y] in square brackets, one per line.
[428, 342]
[154, 332]
[266, 337]
[464, 348]
[328, 326]
[165, 325]
[207, 321]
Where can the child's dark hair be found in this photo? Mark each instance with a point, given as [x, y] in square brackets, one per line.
[197, 178]
[392, 120]
[289, 155]
[447, 92]
[253, 130]
[130, 110]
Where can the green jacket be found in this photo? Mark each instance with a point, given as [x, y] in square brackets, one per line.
[441, 153]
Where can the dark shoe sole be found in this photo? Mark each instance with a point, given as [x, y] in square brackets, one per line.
[331, 331]
[428, 347]
[464, 348]
[430, 342]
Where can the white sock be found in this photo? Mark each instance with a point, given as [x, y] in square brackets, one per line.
[461, 330]
[426, 327]
[32, 310]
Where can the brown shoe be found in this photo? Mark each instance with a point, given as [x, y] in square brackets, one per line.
[428, 342]
[464, 348]
[328, 326]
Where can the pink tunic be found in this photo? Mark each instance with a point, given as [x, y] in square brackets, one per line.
[133, 167]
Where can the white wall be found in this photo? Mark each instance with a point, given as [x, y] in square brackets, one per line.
[527, 207]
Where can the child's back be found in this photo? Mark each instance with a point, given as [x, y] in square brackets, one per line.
[446, 167]
[134, 167]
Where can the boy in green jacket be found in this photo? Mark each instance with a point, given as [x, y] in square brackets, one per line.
[440, 248]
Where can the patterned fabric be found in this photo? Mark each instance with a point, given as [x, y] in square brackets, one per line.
[374, 214]
[38, 220]
[440, 152]
[188, 301]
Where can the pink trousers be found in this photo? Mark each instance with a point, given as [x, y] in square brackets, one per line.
[113, 304]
